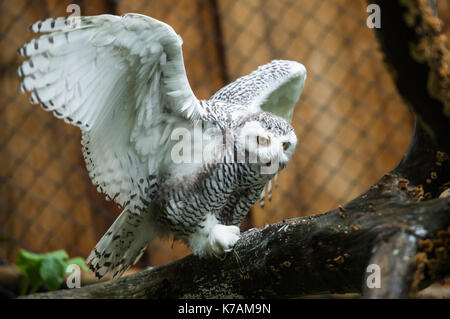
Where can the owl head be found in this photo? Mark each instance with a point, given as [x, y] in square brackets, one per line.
[266, 140]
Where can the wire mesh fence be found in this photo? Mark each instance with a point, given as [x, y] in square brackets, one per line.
[351, 123]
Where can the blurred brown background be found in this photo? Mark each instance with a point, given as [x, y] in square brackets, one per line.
[351, 123]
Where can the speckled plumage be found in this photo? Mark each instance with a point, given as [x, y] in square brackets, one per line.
[122, 81]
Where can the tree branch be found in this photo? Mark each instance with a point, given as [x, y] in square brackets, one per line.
[322, 253]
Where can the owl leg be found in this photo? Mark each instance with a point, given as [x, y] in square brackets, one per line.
[213, 238]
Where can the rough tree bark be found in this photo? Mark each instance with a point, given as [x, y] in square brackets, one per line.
[399, 223]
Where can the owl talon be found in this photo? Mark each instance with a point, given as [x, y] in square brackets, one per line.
[223, 238]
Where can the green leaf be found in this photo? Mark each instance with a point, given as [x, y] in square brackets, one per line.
[77, 261]
[44, 269]
[29, 264]
[59, 254]
[52, 272]
[28, 257]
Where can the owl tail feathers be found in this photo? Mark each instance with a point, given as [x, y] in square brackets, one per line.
[122, 245]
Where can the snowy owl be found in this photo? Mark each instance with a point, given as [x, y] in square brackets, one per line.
[122, 81]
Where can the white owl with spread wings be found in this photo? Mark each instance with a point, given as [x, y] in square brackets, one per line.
[122, 81]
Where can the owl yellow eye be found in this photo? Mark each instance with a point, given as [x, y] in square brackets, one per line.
[262, 140]
[286, 145]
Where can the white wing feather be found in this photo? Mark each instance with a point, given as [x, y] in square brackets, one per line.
[274, 87]
[122, 81]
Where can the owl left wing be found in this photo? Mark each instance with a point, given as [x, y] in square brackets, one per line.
[121, 79]
[274, 87]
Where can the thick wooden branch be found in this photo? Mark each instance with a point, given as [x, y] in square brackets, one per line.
[322, 253]
[389, 225]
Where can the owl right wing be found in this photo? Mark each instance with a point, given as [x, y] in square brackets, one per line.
[122, 81]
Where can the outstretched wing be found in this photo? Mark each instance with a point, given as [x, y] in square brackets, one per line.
[274, 87]
[122, 81]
